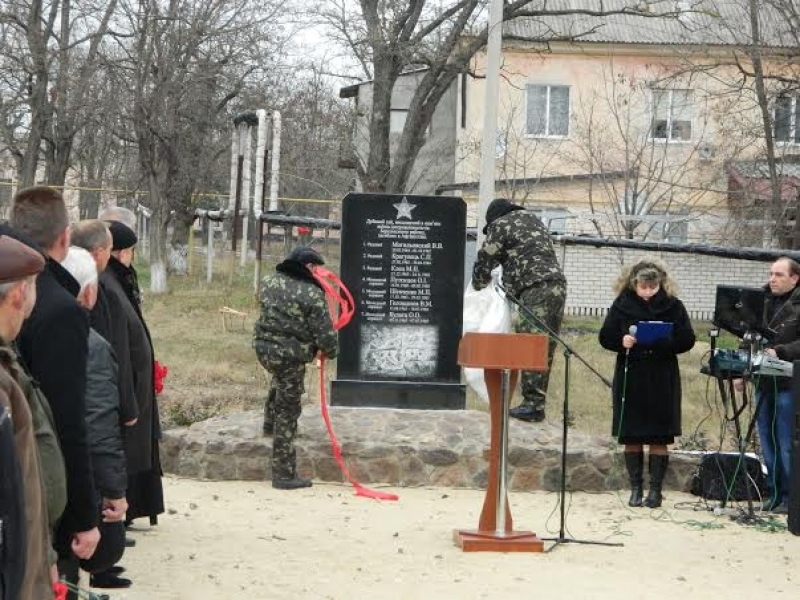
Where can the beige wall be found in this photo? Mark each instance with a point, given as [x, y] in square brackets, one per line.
[610, 115]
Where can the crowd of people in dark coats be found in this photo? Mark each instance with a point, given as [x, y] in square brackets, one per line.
[79, 423]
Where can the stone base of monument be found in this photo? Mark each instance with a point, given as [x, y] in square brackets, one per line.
[398, 394]
[406, 448]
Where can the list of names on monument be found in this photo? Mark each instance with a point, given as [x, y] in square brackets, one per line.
[397, 270]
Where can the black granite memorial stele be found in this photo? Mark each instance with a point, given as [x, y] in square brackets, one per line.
[402, 257]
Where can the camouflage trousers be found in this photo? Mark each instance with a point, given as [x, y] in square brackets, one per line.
[546, 302]
[282, 408]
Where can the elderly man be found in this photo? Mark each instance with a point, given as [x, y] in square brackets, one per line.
[19, 266]
[104, 433]
[94, 236]
[53, 346]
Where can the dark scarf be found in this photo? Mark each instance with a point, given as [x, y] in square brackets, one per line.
[298, 271]
[129, 282]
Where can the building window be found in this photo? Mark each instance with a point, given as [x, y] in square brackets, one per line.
[397, 121]
[671, 226]
[555, 219]
[548, 110]
[787, 124]
[672, 115]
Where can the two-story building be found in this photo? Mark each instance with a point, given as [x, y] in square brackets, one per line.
[642, 127]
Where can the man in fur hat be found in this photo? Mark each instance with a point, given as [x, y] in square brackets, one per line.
[517, 240]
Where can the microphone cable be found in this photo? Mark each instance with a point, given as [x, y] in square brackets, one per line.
[631, 332]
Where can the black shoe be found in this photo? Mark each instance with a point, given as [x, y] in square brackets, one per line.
[526, 412]
[108, 581]
[129, 542]
[293, 483]
[116, 570]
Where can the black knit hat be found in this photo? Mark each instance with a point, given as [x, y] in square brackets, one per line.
[123, 236]
[305, 255]
[498, 208]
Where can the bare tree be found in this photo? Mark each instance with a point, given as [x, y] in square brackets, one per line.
[187, 61]
[759, 71]
[52, 50]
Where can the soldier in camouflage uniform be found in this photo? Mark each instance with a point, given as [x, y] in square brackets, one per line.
[294, 325]
[518, 240]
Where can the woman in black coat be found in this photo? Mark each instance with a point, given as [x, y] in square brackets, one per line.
[647, 383]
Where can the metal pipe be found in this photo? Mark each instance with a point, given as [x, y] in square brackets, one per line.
[502, 482]
[489, 139]
[209, 250]
[247, 196]
[276, 160]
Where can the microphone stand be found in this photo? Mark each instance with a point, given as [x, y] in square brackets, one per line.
[568, 354]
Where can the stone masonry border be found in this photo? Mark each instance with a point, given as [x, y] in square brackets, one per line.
[406, 448]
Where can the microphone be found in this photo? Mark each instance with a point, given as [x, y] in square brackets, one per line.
[631, 332]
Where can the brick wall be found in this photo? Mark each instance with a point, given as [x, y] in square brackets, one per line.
[591, 273]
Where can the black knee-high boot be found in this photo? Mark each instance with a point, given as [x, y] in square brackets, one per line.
[634, 462]
[658, 469]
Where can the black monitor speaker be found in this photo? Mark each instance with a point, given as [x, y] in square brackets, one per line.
[740, 310]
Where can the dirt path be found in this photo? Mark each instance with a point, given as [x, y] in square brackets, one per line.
[245, 540]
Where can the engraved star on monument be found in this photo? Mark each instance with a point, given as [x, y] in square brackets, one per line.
[404, 208]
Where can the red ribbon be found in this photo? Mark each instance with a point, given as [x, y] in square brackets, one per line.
[342, 308]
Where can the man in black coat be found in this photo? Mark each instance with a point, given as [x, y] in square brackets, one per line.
[53, 346]
[94, 236]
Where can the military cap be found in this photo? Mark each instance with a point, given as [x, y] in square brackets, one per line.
[499, 207]
[17, 260]
[122, 236]
[305, 255]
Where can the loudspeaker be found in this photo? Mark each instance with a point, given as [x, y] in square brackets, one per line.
[724, 476]
[794, 485]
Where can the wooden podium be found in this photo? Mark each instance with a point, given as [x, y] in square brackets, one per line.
[502, 356]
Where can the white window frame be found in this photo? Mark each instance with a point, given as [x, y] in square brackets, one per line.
[547, 133]
[552, 217]
[794, 125]
[668, 139]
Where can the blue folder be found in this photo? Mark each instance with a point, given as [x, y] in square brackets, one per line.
[649, 332]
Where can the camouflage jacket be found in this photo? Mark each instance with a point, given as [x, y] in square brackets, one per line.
[519, 242]
[294, 322]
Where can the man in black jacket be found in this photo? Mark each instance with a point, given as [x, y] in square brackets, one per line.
[775, 417]
[53, 346]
